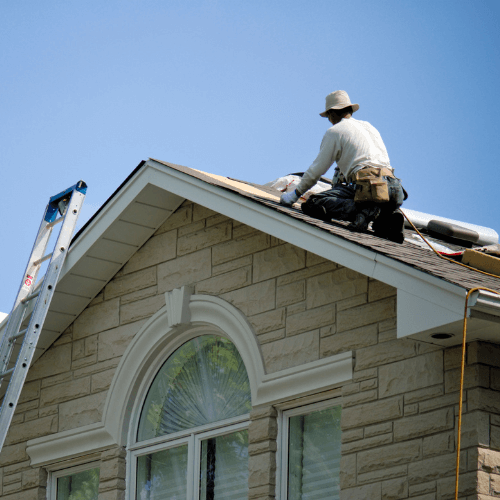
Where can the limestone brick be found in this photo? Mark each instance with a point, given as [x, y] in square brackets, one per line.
[347, 471]
[474, 376]
[102, 380]
[441, 402]
[421, 425]
[350, 340]
[265, 492]
[475, 429]
[262, 429]
[263, 412]
[291, 293]
[30, 430]
[296, 308]
[435, 468]
[265, 338]
[359, 398]
[360, 375]
[57, 379]
[78, 349]
[310, 319]
[415, 490]
[387, 335]
[239, 247]
[395, 489]
[112, 343]
[383, 474]
[366, 314]
[98, 367]
[495, 437]
[349, 389]
[421, 371]
[276, 261]
[81, 411]
[483, 399]
[130, 283]
[97, 318]
[139, 294]
[334, 286]
[112, 495]
[87, 360]
[389, 456]
[372, 413]
[367, 443]
[184, 270]
[366, 385]
[376, 430]
[225, 282]
[262, 469]
[181, 217]
[145, 308]
[313, 260]
[385, 353]
[410, 410]
[64, 392]
[438, 444]
[262, 446]
[31, 390]
[327, 331]
[352, 435]
[423, 394]
[468, 485]
[159, 248]
[240, 229]
[34, 477]
[485, 353]
[31, 494]
[253, 299]
[216, 219]
[306, 273]
[378, 290]
[351, 302]
[200, 212]
[54, 361]
[191, 228]
[204, 238]
[292, 351]
[232, 265]
[268, 321]
[48, 410]
[368, 492]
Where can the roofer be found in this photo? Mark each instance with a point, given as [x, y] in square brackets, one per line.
[364, 187]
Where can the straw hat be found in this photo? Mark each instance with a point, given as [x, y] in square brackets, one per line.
[338, 100]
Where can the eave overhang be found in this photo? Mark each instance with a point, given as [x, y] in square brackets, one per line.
[426, 304]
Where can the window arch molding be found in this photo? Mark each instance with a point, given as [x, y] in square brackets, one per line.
[183, 318]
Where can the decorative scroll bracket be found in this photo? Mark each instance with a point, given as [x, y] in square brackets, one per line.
[177, 302]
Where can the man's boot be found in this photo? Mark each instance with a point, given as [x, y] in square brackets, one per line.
[390, 226]
[364, 217]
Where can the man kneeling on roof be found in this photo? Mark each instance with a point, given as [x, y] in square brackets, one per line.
[364, 187]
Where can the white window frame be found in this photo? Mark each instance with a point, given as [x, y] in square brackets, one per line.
[282, 441]
[55, 475]
[193, 438]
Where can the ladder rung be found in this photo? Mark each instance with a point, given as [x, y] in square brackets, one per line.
[53, 223]
[6, 372]
[43, 259]
[17, 335]
[30, 297]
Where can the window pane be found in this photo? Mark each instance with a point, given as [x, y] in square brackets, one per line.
[224, 467]
[163, 475]
[81, 486]
[204, 381]
[314, 455]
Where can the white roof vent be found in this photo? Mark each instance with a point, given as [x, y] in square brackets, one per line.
[421, 220]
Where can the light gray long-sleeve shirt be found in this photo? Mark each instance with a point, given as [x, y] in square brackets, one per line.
[351, 143]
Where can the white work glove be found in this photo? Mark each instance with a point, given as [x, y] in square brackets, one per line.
[288, 199]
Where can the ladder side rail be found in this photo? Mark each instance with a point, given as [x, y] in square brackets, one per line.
[30, 275]
[35, 326]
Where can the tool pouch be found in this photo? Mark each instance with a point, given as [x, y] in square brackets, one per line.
[371, 185]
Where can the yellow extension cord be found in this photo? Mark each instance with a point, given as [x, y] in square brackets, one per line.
[464, 335]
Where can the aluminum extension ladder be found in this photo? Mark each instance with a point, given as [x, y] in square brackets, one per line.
[18, 345]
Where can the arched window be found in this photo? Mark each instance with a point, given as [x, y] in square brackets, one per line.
[192, 439]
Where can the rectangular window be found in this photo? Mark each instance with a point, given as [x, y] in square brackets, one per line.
[311, 452]
[75, 484]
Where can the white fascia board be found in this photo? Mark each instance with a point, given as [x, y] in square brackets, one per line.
[310, 238]
[68, 444]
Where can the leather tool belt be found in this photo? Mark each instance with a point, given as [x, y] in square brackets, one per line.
[371, 185]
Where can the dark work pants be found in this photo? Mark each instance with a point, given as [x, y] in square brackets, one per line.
[338, 202]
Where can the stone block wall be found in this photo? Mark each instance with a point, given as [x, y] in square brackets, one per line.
[399, 440]
[399, 412]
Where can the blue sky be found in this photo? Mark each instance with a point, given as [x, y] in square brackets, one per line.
[91, 88]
